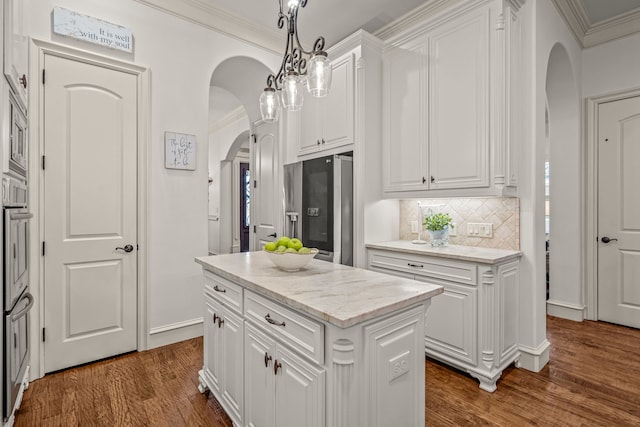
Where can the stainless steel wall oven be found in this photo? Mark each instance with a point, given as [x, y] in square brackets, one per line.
[17, 301]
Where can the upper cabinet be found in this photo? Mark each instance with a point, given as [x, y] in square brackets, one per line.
[16, 48]
[447, 90]
[327, 122]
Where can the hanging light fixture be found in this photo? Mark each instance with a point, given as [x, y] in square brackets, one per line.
[295, 70]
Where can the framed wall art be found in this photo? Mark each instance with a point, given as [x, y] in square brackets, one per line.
[179, 151]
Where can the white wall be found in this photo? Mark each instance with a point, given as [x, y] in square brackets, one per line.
[181, 57]
[611, 67]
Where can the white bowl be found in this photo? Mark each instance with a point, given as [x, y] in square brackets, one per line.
[290, 262]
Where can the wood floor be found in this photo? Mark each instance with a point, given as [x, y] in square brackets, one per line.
[593, 379]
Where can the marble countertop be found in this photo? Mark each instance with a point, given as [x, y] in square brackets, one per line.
[338, 294]
[462, 253]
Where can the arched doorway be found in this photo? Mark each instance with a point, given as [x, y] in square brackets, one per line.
[563, 174]
[235, 87]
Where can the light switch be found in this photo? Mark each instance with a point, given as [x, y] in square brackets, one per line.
[480, 229]
[415, 228]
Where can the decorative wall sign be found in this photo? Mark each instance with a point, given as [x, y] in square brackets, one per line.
[92, 30]
[179, 151]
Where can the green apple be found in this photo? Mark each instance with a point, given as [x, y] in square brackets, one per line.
[304, 250]
[295, 244]
[291, 251]
[281, 248]
[283, 241]
[271, 246]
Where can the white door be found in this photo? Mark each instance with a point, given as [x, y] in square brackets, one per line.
[90, 146]
[619, 212]
[268, 201]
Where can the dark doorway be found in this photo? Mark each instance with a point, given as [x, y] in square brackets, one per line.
[245, 204]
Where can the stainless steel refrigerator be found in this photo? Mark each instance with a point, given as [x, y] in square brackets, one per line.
[319, 206]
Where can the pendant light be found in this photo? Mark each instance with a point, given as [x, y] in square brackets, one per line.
[295, 70]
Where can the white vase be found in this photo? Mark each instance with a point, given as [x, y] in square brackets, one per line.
[439, 237]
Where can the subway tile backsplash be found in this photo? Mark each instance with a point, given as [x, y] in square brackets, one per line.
[502, 212]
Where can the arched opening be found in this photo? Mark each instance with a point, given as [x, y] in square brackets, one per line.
[235, 86]
[563, 188]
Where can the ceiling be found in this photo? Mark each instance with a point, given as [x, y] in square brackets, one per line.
[332, 19]
[598, 21]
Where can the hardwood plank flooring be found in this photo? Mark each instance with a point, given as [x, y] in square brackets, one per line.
[592, 379]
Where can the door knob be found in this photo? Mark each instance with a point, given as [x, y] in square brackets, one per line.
[127, 248]
[605, 239]
[274, 235]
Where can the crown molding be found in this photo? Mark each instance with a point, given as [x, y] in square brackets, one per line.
[214, 18]
[417, 15]
[229, 118]
[589, 34]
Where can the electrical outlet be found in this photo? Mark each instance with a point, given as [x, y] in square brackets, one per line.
[415, 228]
[480, 229]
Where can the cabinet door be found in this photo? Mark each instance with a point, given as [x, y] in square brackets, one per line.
[459, 103]
[259, 352]
[405, 117]
[310, 131]
[299, 391]
[212, 344]
[337, 117]
[16, 48]
[232, 387]
[450, 327]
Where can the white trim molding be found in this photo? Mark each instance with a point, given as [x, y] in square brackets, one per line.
[175, 332]
[590, 34]
[229, 118]
[565, 310]
[534, 359]
[204, 13]
[591, 121]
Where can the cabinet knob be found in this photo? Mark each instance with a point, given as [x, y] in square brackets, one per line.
[424, 179]
[267, 359]
[23, 81]
[433, 179]
[276, 366]
[323, 141]
[317, 141]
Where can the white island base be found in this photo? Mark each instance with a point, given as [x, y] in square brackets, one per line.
[327, 346]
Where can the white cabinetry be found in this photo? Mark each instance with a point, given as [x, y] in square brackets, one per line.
[224, 341]
[16, 48]
[445, 98]
[328, 122]
[473, 325]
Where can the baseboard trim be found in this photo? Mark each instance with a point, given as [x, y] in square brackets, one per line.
[534, 359]
[565, 310]
[175, 332]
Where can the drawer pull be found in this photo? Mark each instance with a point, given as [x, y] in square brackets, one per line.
[273, 322]
[217, 289]
[276, 366]
[220, 322]
[267, 359]
[415, 265]
[215, 317]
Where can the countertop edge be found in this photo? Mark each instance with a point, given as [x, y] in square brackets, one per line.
[308, 310]
[433, 252]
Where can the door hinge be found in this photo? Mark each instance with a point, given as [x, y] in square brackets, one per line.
[43, 76]
[44, 336]
[255, 184]
[43, 248]
[42, 162]
[255, 140]
[254, 228]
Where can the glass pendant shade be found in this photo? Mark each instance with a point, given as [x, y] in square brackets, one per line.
[292, 92]
[269, 105]
[319, 75]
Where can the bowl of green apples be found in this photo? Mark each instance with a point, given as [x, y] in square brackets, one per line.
[289, 254]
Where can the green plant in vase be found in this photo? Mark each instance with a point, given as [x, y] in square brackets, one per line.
[438, 224]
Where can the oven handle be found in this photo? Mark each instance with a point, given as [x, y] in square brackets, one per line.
[24, 311]
[17, 216]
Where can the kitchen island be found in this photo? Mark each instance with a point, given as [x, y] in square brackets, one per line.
[327, 345]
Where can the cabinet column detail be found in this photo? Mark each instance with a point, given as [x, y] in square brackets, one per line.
[488, 326]
[343, 369]
[500, 103]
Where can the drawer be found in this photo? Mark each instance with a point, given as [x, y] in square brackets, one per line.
[299, 332]
[455, 271]
[224, 291]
